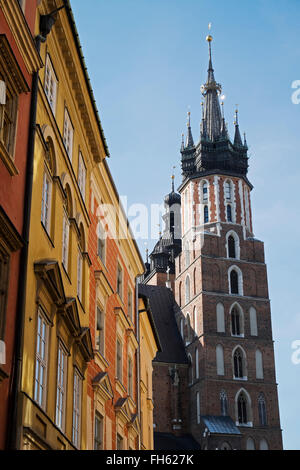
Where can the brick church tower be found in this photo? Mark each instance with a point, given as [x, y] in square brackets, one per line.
[221, 293]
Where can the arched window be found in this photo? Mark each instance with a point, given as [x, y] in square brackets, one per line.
[187, 289]
[197, 363]
[250, 444]
[237, 323]
[224, 403]
[181, 328]
[180, 294]
[66, 228]
[262, 412]
[228, 192]
[259, 364]
[253, 322]
[239, 364]
[206, 215]
[188, 328]
[231, 247]
[229, 213]
[234, 282]
[194, 281]
[195, 321]
[220, 359]
[263, 445]
[242, 409]
[205, 191]
[198, 407]
[187, 254]
[191, 378]
[80, 265]
[225, 446]
[220, 318]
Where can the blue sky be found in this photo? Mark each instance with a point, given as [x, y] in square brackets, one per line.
[147, 60]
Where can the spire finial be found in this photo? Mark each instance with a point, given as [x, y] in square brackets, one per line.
[236, 122]
[189, 118]
[173, 178]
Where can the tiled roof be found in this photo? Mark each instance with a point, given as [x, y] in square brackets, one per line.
[220, 425]
[162, 304]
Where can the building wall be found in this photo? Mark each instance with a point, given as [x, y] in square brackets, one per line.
[16, 29]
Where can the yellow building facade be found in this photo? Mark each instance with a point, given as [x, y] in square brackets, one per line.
[149, 346]
[57, 342]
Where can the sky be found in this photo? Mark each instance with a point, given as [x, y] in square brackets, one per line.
[147, 60]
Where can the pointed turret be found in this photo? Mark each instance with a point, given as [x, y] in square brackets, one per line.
[212, 113]
[189, 137]
[237, 136]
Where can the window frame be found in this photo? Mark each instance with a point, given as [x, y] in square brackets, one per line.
[77, 408]
[120, 281]
[68, 127]
[100, 337]
[46, 217]
[43, 361]
[61, 388]
[82, 174]
[52, 75]
[98, 443]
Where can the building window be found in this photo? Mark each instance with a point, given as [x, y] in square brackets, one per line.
[198, 407]
[220, 359]
[98, 436]
[8, 116]
[259, 364]
[41, 360]
[50, 85]
[68, 134]
[206, 215]
[236, 322]
[81, 175]
[242, 409]
[130, 305]
[205, 191]
[119, 442]
[100, 330]
[228, 191]
[120, 281]
[250, 444]
[130, 377]
[119, 360]
[187, 289]
[46, 201]
[79, 274]
[229, 213]
[101, 237]
[231, 247]
[197, 363]
[61, 388]
[4, 281]
[191, 375]
[76, 425]
[263, 445]
[187, 254]
[224, 403]
[220, 318]
[65, 241]
[262, 410]
[239, 366]
[253, 322]
[181, 328]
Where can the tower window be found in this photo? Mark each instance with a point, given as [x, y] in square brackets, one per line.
[187, 290]
[231, 247]
[229, 213]
[228, 191]
[205, 192]
[236, 322]
[234, 282]
[206, 215]
[224, 403]
[242, 409]
[239, 364]
[262, 410]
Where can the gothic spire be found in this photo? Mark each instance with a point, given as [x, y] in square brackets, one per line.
[237, 136]
[189, 137]
[212, 121]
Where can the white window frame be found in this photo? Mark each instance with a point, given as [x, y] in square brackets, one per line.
[50, 84]
[46, 201]
[68, 134]
[41, 359]
[81, 175]
[65, 241]
[77, 399]
[61, 386]
[79, 274]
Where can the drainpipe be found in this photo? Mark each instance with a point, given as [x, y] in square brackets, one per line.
[13, 440]
[138, 356]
